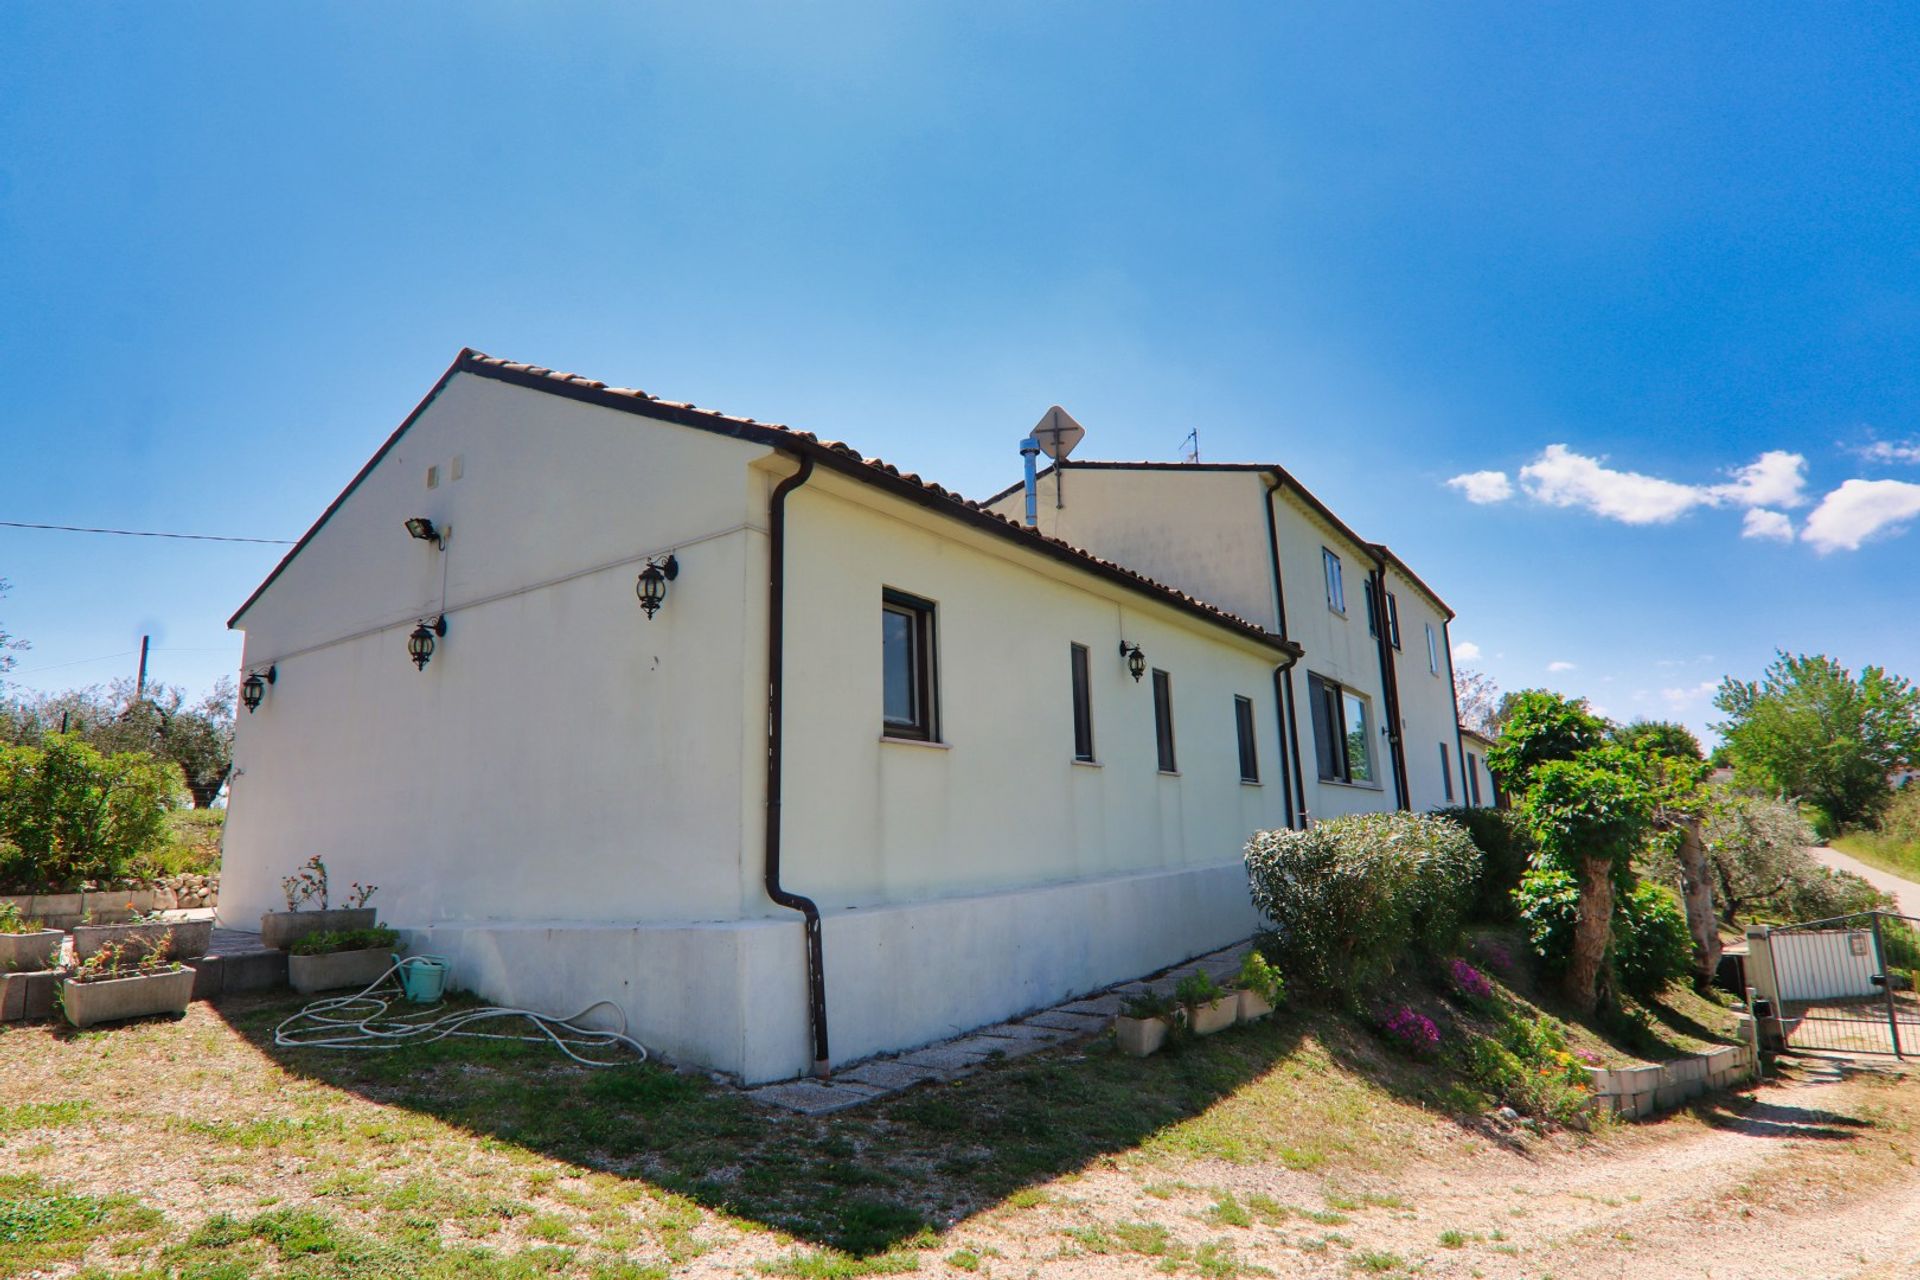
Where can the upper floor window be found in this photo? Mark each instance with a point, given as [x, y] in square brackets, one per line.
[1082, 705]
[1393, 620]
[1342, 732]
[1336, 590]
[1373, 608]
[1243, 725]
[1433, 649]
[1163, 720]
[907, 664]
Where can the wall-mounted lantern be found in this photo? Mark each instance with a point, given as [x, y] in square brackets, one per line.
[254, 687]
[420, 643]
[1136, 660]
[423, 528]
[652, 584]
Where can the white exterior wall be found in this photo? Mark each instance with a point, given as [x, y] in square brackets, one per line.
[524, 774]
[1427, 710]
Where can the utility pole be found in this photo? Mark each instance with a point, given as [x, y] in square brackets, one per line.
[140, 685]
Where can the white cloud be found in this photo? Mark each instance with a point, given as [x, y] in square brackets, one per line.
[1466, 651]
[1762, 523]
[1559, 666]
[1775, 479]
[1896, 451]
[1680, 699]
[1483, 487]
[1858, 510]
[1560, 477]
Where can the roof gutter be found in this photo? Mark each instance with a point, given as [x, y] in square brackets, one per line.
[1285, 709]
[776, 653]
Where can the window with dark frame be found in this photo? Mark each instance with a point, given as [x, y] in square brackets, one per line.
[1373, 609]
[1473, 779]
[1249, 753]
[907, 662]
[1342, 732]
[1446, 772]
[1393, 620]
[1082, 706]
[1336, 588]
[1163, 720]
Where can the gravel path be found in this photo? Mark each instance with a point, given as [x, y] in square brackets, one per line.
[1906, 893]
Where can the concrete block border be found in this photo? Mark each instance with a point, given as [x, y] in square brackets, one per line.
[1637, 1092]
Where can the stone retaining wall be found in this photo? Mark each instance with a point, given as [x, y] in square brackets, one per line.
[1634, 1092]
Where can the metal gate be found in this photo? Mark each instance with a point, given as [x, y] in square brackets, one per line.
[1846, 985]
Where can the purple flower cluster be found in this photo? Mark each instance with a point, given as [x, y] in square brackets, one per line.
[1414, 1031]
[1589, 1057]
[1469, 981]
[1498, 958]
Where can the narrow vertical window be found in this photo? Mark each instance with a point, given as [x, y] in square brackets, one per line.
[1433, 650]
[1473, 779]
[1393, 620]
[1336, 590]
[1446, 772]
[1163, 719]
[907, 679]
[1243, 725]
[1359, 739]
[1325, 700]
[1082, 705]
[1373, 610]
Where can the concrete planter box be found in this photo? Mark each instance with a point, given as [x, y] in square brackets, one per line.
[25, 952]
[91, 1003]
[111, 906]
[190, 937]
[281, 929]
[1253, 1006]
[1215, 1015]
[355, 969]
[1139, 1037]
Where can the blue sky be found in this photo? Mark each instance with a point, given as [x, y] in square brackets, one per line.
[1387, 247]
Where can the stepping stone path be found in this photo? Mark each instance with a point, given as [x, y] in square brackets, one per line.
[1077, 1020]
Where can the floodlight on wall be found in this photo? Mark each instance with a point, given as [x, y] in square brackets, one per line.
[423, 528]
[1136, 660]
[651, 586]
[420, 643]
[254, 687]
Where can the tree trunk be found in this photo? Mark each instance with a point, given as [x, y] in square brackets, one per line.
[1697, 891]
[1592, 931]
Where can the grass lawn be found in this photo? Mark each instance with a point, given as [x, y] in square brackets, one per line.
[196, 1148]
[1901, 857]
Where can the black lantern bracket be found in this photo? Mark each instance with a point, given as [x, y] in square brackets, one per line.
[420, 644]
[254, 688]
[1136, 660]
[651, 586]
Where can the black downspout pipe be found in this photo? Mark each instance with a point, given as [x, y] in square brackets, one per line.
[1453, 696]
[1389, 685]
[776, 648]
[1285, 707]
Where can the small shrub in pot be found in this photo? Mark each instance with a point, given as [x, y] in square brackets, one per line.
[24, 945]
[1209, 1009]
[341, 958]
[1144, 1024]
[130, 979]
[1261, 987]
[307, 886]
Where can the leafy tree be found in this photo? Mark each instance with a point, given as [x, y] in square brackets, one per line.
[1476, 697]
[9, 645]
[1661, 738]
[1538, 726]
[1809, 728]
[70, 814]
[196, 736]
[1590, 815]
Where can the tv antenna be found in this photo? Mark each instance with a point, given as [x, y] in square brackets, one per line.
[1190, 447]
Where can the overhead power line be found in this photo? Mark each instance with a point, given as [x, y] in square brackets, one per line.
[143, 533]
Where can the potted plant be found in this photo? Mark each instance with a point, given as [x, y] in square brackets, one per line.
[24, 944]
[304, 888]
[1144, 1023]
[1261, 987]
[1209, 1009]
[343, 958]
[126, 980]
[188, 938]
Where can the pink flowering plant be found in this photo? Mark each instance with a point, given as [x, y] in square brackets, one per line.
[1469, 981]
[1413, 1031]
[1494, 955]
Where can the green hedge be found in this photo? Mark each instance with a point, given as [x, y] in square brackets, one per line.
[1506, 849]
[1348, 898]
[69, 814]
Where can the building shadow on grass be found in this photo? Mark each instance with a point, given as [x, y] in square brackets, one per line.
[863, 1181]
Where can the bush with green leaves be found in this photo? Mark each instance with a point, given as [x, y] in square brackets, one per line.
[1349, 897]
[69, 814]
[1506, 847]
[1651, 946]
[329, 942]
[1537, 726]
[1528, 1064]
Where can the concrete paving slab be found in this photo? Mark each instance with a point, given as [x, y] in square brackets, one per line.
[813, 1098]
[1103, 1006]
[944, 1057]
[1024, 1031]
[888, 1075]
[1085, 1024]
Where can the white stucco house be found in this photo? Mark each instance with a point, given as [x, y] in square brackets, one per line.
[792, 756]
